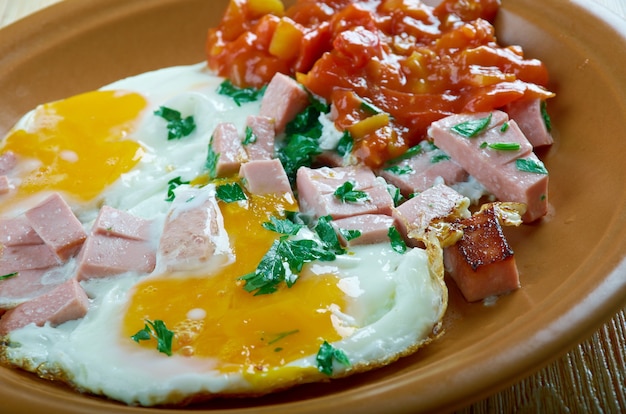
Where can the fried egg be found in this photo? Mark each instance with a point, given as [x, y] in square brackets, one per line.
[107, 147]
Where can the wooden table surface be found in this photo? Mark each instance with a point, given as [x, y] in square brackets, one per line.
[591, 378]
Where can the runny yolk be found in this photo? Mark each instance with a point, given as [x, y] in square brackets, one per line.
[213, 316]
[78, 144]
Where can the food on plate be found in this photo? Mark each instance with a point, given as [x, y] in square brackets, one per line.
[282, 215]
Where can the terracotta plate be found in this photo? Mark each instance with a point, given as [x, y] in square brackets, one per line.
[572, 264]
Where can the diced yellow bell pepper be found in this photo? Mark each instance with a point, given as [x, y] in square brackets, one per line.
[368, 125]
[286, 40]
[263, 7]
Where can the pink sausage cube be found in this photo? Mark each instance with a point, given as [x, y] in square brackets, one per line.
[17, 231]
[104, 256]
[284, 98]
[528, 115]
[28, 284]
[117, 223]
[265, 177]
[66, 302]
[26, 257]
[374, 228]
[226, 142]
[56, 224]
[262, 130]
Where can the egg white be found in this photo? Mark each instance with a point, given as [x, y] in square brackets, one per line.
[396, 300]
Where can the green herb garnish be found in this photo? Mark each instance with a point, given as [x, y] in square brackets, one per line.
[411, 152]
[177, 127]
[159, 331]
[370, 107]
[347, 194]
[546, 117]
[240, 95]
[282, 335]
[440, 156]
[530, 165]
[473, 127]
[504, 127]
[229, 193]
[345, 144]
[504, 146]
[211, 161]
[328, 236]
[326, 355]
[395, 194]
[285, 226]
[172, 185]
[400, 169]
[8, 275]
[350, 234]
[397, 242]
[249, 137]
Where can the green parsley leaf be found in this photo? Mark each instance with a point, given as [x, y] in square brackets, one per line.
[211, 161]
[530, 165]
[249, 137]
[345, 144]
[473, 127]
[282, 226]
[395, 194]
[8, 276]
[347, 194]
[326, 355]
[229, 193]
[438, 157]
[177, 127]
[505, 146]
[282, 335]
[545, 115]
[159, 331]
[411, 152]
[328, 236]
[240, 95]
[504, 127]
[370, 107]
[172, 185]
[349, 234]
[400, 169]
[397, 242]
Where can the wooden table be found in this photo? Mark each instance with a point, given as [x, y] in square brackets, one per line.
[591, 378]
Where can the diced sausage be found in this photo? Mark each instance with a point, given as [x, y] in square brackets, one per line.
[439, 202]
[528, 115]
[316, 192]
[497, 170]
[262, 145]
[66, 302]
[56, 224]
[373, 228]
[421, 171]
[17, 231]
[265, 177]
[284, 98]
[482, 263]
[104, 256]
[117, 223]
[194, 235]
[226, 142]
[8, 161]
[5, 186]
[28, 284]
[26, 257]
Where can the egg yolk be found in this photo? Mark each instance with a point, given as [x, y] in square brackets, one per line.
[78, 144]
[213, 316]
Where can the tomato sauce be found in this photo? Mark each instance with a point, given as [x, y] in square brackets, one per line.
[410, 61]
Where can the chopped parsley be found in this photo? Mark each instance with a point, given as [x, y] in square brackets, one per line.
[530, 165]
[328, 236]
[473, 127]
[502, 146]
[8, 275]
[347, 194]
[397, 242]
[370, 107]
[411, 152]
[177, 126]
[345, 144]
[250, 137]
[240, 95]
[172, 185]
[395, 194]
[158, 331]
[326, 355]
[211, 161]
[231, 192]
[282, 335]
[546, 117]
[285, 226]
[438, 157]
[504, 127]
[400, 169]
[349, 234]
